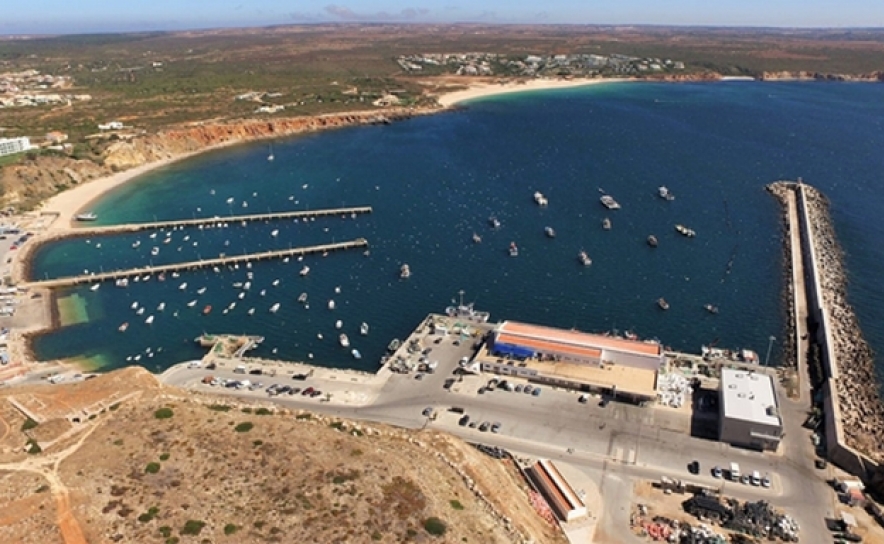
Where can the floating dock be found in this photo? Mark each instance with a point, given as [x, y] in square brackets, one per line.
[194, 265]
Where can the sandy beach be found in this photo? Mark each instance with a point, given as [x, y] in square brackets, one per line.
[481, 90]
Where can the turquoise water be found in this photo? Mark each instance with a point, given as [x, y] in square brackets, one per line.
[435, 180]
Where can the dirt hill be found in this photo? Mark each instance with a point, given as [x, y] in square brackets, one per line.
[124, 459]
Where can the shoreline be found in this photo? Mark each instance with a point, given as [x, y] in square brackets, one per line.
[482, 90]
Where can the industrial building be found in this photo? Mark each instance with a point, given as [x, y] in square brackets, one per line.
[626, 369]
[750, 415]
[557, 492]
[10, 146]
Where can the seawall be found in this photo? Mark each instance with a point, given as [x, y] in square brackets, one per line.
[853, 411]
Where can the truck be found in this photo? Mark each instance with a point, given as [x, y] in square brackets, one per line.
[735, 472]
[208, 379]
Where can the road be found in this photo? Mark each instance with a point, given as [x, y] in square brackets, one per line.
[612, 445]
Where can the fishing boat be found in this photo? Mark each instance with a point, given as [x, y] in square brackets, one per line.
[338, 289]
[663, 192]
[161, 307]
[466, 311]
[207, 309]
[136, 243]
[153, 235]
[404, 272]
[477, 239]
[149, 320]
[201, 290]
[513, 250]
[139, 311]
[319, 335]
[275, 283]
[540, 199]
[90, 216]
[345, 342]
[122, 282]
[609, 202]
[661, 302]
[246, 286]
[237, 285]
[606, 224]
[161, 277]
[363, 329]
[305, 270]
[394, 345]
[274, 233]
[339, 324]
[710, 308]
[242, 295]
[652, 241]
[684, 231]
[123, 327]
[183, 286]
[550, 232]
[95, 287]
[274, 308]
[191, 304]
[355, 353]
[302, 298]
[495, 224]
[331, 304]
[584, 259]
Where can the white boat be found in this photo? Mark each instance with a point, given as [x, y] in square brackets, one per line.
[606, 224]
[274, 233]
[338, 289]
[183, 286]
[363, 329]
[339, 324]
[155, 251]
[139, 311]
[263, 292]
[345, 342]
[331, 304]
[231, 306]
[305, 270]
[201, 290]
[584, 259]
[191, 304]
[134, 305]
[513, 250]
[86, 217]
[550, 232]
[153, 235]
[122, 282]
[319, 335]
[404, 271]
[136, 243]
[355, 353]
[242, 295]
[161, 307]
[270, 156]
[493, 221]
[123, 327]
[149, 319]
[684, 231]
[664, 193]
[609, 202]
[95, 287]
[275, 283]
[237, 285]
[246, 286]
[477, 239]
[251, 311]
[274, 308]
[302, 298]
[540, 199]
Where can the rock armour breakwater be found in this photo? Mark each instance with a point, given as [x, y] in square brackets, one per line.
[856, 389]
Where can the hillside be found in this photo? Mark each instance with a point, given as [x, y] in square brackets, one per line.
[157, 465]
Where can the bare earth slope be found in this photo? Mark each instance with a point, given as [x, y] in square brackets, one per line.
[207, 471]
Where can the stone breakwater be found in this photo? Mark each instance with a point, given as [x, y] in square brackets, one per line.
[780, 191]
[862, 412]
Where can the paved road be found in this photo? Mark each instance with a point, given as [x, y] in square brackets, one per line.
[612, 444]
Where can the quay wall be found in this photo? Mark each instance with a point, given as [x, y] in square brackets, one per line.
[842, 425]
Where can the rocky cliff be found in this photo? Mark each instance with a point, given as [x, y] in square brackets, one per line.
[25, 184]
[819, 76]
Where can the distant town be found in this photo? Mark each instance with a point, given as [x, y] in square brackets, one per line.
[494, 64]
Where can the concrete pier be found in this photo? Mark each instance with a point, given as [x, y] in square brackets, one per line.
[272, 216]
[194, 265]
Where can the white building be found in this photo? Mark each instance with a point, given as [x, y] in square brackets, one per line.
[9, 146]
[749, 411]
[113, 125]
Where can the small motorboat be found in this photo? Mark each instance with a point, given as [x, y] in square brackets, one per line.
[355, 353]
[584, 259]
[331, 304]
[149, 320]
[183, 286]
[339, 324]
[305, 270]
[710, 308]
[652, 241]
[661, 302]
[513, 250]
[161, 307]
[494, 222]
[274, 308]
[363, 329]
[664, 193]
[345, 342]
[550, 232]
[477, 239]
[191, 304]
[404, 272]
[123, 327]
[95, 287]
[684, 231]
[302, 298]
[606, 224]
[207, 309]
[122, 282]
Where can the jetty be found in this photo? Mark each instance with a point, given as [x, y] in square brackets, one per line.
[215, 220]
[195, 265]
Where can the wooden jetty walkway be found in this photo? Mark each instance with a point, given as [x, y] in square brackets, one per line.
[194, 265]
[135, 227]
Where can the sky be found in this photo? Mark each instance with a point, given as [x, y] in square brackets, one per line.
[88, 16]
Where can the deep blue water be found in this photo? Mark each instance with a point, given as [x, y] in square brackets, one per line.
[435, 180]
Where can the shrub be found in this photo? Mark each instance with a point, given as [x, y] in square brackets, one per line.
[219, 407]
[28, 425]
[113, 407]
[149, 515]
[166, 531]
[165, 456]
[303, 416]
[244, 427]
[33, 447]
[172, 540]
[456, 504]
[376, 536]
[264, 411]
[118, 442]
[163, 413]
[247, 410]
[257, 443]
[230, 529]
[152, 468]
[42, 489]
[435, 526]
[192, 527]
[339, 425]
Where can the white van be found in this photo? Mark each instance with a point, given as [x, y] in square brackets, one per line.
[241, 369]
[735, 472]
[755, 478]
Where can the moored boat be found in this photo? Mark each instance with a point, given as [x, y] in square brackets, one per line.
[584, 259]
[550, 232]
[652, 241]
[183, 286]
[122, 282]
[95, 287]
[710, 308]
[609, 202]
[363, 329]
[477, 239]
[207, 309]
[540, 199]
[331, 304]
[664, 193]
[345, 342]
[89, 216]
[684, 231]
[394, 345]
[355, 353]
[494, 222]
[404, 271]
[302, 298]
[123, 327]
[513, 250]
[149, 320]
[339, 324]
[274, 308]
[661, 302]
[606, 224]
[304, 271]
[466, 311]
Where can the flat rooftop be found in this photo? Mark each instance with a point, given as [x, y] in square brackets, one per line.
[749, 396]
[516, 332]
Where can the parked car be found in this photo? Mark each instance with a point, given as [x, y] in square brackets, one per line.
[744, 479]
[527, 389]
[694, 467]
[419, 377]
[518, 389]
[484, 426]
[717, 472]
[464, 421]
[765, 481]
[428, 411]
[536, 392]
[307, 391]
[583, 399]
[315, 393]
[495, 427]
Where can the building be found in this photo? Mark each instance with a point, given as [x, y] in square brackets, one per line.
[113, 125]
[9, 146]
[55, 137]
[557, 492]
[749, 412]
[624, 368]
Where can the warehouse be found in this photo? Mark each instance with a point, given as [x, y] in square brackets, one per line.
[557, 492]
[750, 414]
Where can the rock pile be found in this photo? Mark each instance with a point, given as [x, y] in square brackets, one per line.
[857, 389]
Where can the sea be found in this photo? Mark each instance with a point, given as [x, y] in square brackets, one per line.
[434, 181]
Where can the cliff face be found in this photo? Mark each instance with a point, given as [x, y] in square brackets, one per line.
[819, 76]
[31, 181]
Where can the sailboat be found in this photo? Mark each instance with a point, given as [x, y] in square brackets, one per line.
[270, 156]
